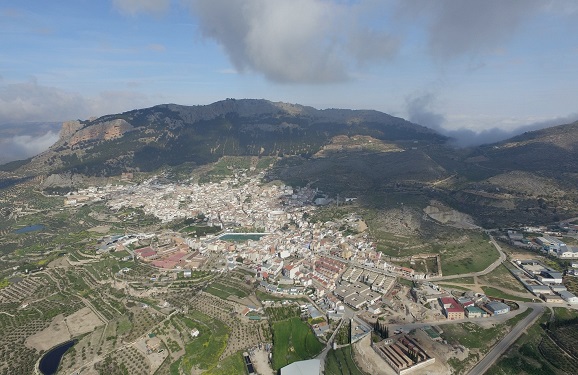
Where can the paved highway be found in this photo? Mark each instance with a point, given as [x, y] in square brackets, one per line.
[507, 341]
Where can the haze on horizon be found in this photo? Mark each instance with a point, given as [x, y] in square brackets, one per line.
[476, 71]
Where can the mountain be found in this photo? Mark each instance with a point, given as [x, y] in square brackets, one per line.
[532, 177]
[383, 160]
[169, 134]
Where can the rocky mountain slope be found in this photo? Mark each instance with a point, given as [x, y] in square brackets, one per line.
[170, 134]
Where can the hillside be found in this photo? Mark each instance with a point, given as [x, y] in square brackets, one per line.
[532, 177]
[146, 139]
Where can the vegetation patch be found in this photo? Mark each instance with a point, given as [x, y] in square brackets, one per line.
[536, 353]
[496, 293]
[340, 362]
[502, 277]
[293, 341]
[203, 351]
[233, 364]
[478, 339]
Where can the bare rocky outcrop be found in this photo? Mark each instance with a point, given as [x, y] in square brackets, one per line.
[73, 180]
[69, 128]
[445, 215]
[101, 131]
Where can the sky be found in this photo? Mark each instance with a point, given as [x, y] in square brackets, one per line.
[475, 70]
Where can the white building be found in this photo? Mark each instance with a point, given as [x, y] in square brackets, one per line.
[567, 252]
[568, 297]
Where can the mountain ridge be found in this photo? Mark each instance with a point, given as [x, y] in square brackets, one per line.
[252, 127]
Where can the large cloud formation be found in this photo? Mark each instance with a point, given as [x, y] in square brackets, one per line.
[320, 41]
[421, 109]
[23, 146]
[26, 102]
[30, 101]
[455, 28]
[310, 41]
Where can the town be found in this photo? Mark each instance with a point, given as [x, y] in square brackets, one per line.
[258, 252]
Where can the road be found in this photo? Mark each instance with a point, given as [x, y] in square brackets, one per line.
[496, 319]
[507, 341]
[323, 354]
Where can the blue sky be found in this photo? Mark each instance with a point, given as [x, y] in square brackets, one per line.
[483, 66]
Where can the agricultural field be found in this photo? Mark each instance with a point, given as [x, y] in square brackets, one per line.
[293, 341]
[469, 253]
[535, 352]
[340, 362]
[224, 291]
[204, 351]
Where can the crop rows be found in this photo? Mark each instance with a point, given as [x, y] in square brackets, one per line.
[567, 338]
[15, 357]
[17, 292]
[553, 354]
[126, 361]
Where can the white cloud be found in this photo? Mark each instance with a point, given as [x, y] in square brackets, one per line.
[309, 41]
[455, 28]
[24, 146]
[29, 101]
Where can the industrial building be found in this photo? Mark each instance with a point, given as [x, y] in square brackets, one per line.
[309, 367]
[568, 297]
[403, 354]
[497, 308]
[452, 309]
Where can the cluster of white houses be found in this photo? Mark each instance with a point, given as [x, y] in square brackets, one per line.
[360, 287]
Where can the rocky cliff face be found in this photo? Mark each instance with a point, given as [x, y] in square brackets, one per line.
[69, 128]
[73, 134]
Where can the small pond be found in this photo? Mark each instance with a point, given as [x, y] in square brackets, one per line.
[51, 359]
[31, 228]
[239, 237]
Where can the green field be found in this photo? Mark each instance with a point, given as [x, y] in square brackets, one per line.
[293, 341]
[502, 277]
[452, 286]
[203, 351]
[234, 364]
[339, 362]
[496, 293]
[473, 254]
[462, 280]
[224, 291]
